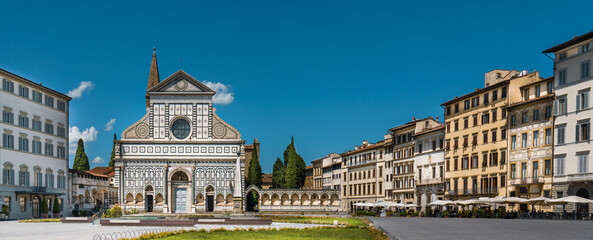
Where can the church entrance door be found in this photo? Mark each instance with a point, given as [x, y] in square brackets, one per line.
[180, 200]
[210, 203]
[149, 202]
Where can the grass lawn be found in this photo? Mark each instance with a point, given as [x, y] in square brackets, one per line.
[320, 220]
[341, 233]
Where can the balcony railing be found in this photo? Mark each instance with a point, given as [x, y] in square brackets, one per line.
[360, 162]
[479, 191]
[527, 181]
[40, 189]
[429, 181]
[580, 177]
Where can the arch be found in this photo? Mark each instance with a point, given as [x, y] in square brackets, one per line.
[285, 200]
[583, 193]
[324, 200]
[210, 190]
[200, 199]
[179, 176]
[8, 165]
[335, 200]
[148, 188]
[305, 201]
[252, 200]
[295, 200]
[87, 196]
[229, 199]
[158, 199]
[139, 199]
[80, 198]
[129, 198]
[275, 200]
[315, 200]
[219, 199]
[24, 168]
[265, 200]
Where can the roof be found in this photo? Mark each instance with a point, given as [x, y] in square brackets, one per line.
[12, 75]
[573, 41]
[105, 172]
[361, 149]
[153, 76]
[477, 91]
[434, 129]
[181, 74]
[544, 97]
[412, 123]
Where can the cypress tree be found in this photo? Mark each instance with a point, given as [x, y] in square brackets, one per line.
[43, 206]
[112, 151]
[278, 174]
[254, 176]
[81, 161]
[294, 172]
[56, 207]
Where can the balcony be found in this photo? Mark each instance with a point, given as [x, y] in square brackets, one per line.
[360, 162]
[480, 191]
[579, 177]
[39, 189]
[429, 181]
[527, 181]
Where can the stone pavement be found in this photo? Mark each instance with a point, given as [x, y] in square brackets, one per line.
[13, 230]
[479, 228]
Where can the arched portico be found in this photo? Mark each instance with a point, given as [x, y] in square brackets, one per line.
[179, 186]
[297, 200]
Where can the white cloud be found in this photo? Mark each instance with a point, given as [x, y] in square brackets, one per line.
[98, 160]
[223, 94]
[77, 92]
[109, 125]
[87, 135]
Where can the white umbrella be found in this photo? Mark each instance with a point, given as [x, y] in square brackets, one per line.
[392, 204]
[364, 204]
[569, 199]
[410, 205]
[441, 203]
[510, 200]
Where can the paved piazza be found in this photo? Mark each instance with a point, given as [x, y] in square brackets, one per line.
[14, 230]
[467, 228]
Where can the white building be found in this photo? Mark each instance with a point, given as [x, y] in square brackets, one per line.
[180, 157]
[430, 165]
[331, 171]
[573, 114]
[93, 189]
[34, 150]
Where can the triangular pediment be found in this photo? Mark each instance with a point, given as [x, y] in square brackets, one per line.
[181, 82]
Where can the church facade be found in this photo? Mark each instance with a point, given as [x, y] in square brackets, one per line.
[180, 157]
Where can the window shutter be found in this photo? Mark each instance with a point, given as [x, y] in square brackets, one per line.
[585, 100]
[12, 177]
[27, 178]
[21, 178]
[576, 135]
[555, 107]
[578, 101]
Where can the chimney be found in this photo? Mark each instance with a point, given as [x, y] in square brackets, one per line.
[355, 147]
[437, 118]
[365, 143]
[413, 118]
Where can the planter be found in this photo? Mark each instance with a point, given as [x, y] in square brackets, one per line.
[44, 215]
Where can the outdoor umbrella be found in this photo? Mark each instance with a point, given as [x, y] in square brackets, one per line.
[540, 200]
[570, 199]
[441, 203]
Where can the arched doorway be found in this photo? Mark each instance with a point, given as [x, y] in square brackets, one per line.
[36, 207]
[149, 192]
[209, 199]
[252, 201]
[179, 185]
[582, 208]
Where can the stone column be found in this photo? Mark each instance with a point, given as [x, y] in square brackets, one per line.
[237, 191]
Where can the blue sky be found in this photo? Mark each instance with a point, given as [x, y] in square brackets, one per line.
[329, 73]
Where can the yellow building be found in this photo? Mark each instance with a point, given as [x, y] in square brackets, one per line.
[530, 125]
[476, 136]
[363, 174]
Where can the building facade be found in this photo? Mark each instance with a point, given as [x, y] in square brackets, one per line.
[531, 142]
[327, 172]
[429, 165]
[180, 157]
[34, 150]
[362, 174]
[93, 189]
[573, 114]
[308, 177]
[476, 136]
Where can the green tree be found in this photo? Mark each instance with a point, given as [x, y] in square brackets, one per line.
[254, 175]
[294, 172]
[278, 174]
[56, 207]
[81, 161]
[112, 151]
[43, 206]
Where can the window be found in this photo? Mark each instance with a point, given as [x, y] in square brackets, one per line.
[475, 120]
[37, 96]
[485, 98]
[536, 115]
[585, 69]
[23, 204]
[535, 170]
[23, 91]
[465, 123]
[494, 95]
[514, 120]
[7, 116]
[523, 170]
[560, 106]
[548, 112]
[513, 171]
[23, 121]
[513, 142]
[548, 167]
[535, 138]
[503, 113]
[456, 126]
[465, 162]
[560, 135]
[503, 157]
[49, 149]
[485, 136]
[7, 85]
[61, 131]
[49, 128]
[8, 175]
[583, 163]
[36, 124]
[503, 92]
[550, 87]
[582, 100]
[493, 158]
[456, 107]
[24, 177]
[448, 110]
[559, 166]
[485, 118]
[7, 141]
[494, 115]
[61, 105]
[537, 91]
[524, 140]
[526, 94]
[475, 161]
[61, 152]
[466, 105]
[561, 77]
[7, 202]
[23, 144]
[582, 132]
[561, 56]
[584, 48]
[524, 117]
[503, 134]
[49, 101]
[36, 146]
[494, 135]
[548, 136]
